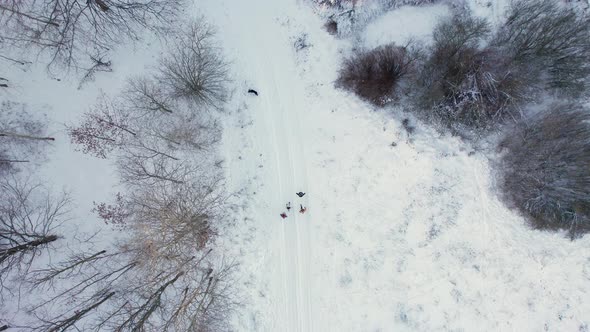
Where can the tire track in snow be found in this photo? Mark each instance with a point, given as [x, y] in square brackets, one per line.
[283, 253]
[290, 162]
[301, 224]
[265, 53]
[284, 121]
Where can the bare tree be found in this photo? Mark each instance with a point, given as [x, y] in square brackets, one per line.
[190, 295]
[64, 323]
[164, 276]
[98, 64]
[147, 96]
[26, 136]
[141, 290]
[114, 214]
[181, 215]
[22, 136]
[151, 169]
[154, 141]
[194, 69]
[84, 281]
[67, 29]
[103, 129]
[27, 224]
[374, 75]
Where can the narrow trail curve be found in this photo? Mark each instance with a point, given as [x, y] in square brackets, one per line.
[256, 32]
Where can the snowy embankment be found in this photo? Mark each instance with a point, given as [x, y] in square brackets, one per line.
[404, 236]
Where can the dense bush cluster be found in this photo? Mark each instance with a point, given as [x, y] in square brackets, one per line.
[545, 168]
[462, 83]
[473, 80]
[478, 79]
[550, 41]
[375, 74]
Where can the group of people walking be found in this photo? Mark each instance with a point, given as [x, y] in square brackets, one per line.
[302, 209]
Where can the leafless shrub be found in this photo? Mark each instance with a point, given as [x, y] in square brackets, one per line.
[332, 27]
[28, 220]
[375, 74]
[478, 90]
[544, 171]
[68, 29]
[194, 69]
[465, 86]
[301, 43]
[549, 40]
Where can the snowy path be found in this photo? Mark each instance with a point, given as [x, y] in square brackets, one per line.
[279, 95]
[264, 57]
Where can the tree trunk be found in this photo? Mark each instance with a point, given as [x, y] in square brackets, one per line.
[37, 138]
[13, 161]
[5, 253]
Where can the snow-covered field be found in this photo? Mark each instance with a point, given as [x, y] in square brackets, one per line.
[403, 231]
[405, 237]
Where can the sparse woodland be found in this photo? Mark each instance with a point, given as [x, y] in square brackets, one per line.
[162, 132]
[72, 33]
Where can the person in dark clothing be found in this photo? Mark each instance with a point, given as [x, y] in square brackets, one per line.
[288, 206]
[300, 194]
[252, 91]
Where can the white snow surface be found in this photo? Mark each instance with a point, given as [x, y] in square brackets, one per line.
[411, 237]
[404, 238]
[405, 24]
